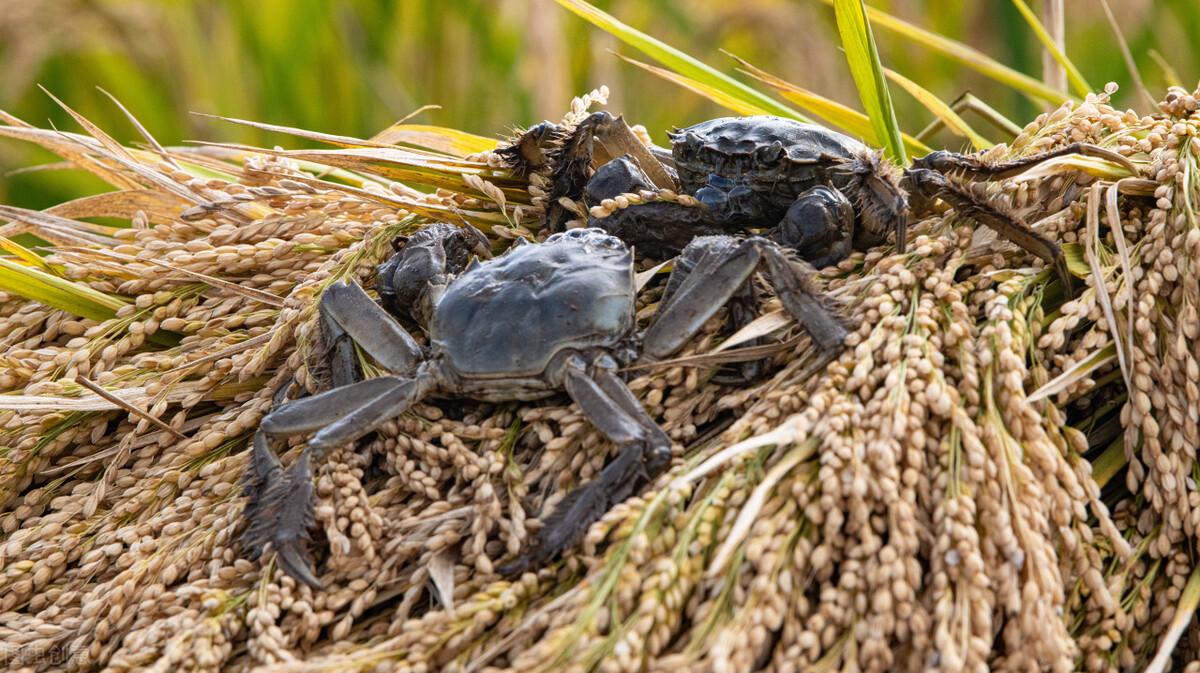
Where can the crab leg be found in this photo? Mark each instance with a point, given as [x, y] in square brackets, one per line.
[280, 506]
[659, 228]
[968, 166]
[280, 510]
[367, 418]
[339, 353]
[314, 413]
[616, 390]
[934, 184]
[645, 453]
[369, 326]
[743, 305]
[725, 265]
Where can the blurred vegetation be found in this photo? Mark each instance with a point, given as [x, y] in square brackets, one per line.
[354, 66]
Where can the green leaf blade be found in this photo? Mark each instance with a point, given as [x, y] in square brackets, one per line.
[680, 62]
[863, 58]
[968, 56]
[940, 109]
[1078, 83]
[56, 292]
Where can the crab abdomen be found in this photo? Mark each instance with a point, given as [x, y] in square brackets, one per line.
[510, 316]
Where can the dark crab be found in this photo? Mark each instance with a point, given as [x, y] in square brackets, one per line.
[541, 318]
[816, 191]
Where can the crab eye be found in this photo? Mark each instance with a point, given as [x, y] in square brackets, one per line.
[769, 153]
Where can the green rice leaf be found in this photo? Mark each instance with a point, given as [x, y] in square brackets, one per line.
[715, 95]
[27, 256]
[1076, 264]
[968, 56]
[56, 292]
[1109, 463]
[678, 61]
[940, 110]
[835, 114]
[863, 58]
[1080, 85]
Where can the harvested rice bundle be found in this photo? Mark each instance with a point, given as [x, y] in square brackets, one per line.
[940, 497]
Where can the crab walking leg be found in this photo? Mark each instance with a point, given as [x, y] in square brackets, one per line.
[318, 411]
[934, 184]
[369, 417]
[371, 327]
[725, 265]
[952, 162]
[280, 506]
[644, 454]
[743, 308]
[280, 510]
[659, 455]
[791, 278]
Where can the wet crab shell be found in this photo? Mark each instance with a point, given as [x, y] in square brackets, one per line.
[511, 315]
[778, 158]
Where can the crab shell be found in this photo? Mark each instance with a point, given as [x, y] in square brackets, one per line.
[777, 158]
[510, 316]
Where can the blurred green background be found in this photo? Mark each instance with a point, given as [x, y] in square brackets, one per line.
[355, 66]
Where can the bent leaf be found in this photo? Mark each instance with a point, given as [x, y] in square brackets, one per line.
[715, 95]
[968, 56]
[837, 115]
[437, 138]
[940, 110]
[55, 292]
[678, 61]
[1073, 75]
[863, 58]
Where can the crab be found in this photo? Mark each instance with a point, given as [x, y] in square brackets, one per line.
[538, 319]
[816, 191]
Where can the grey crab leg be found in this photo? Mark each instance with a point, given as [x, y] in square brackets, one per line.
[972, 167]
[659, 228]
[645, 453]
[371, 327]
[315, 412]
[280, 510]
[368, 417]
[725, 266]
[616, 390]
[932, 184]
[743, 308]
[280, 505]
[339, 353]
